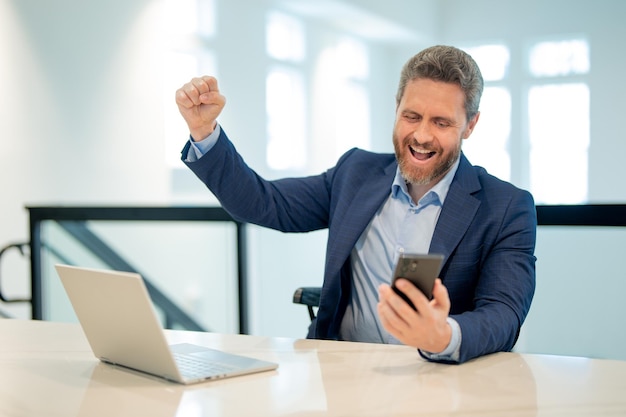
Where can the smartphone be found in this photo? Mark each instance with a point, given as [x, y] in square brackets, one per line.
[421, 270]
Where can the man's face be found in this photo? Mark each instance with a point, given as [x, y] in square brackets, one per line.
[430, 124]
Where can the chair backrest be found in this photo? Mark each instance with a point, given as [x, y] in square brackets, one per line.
[308, 296]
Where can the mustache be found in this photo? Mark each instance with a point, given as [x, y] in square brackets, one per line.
[412, 142]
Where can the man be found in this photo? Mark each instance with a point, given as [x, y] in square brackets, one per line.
[425, 198]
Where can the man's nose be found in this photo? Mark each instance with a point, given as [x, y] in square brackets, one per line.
[423, 133]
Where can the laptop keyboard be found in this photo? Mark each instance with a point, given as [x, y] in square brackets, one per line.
[193, 367]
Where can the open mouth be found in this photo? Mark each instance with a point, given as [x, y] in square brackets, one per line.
[421, 154]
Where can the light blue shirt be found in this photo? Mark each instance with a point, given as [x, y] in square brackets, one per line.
[198, 149]
[399, 226]
[375, 253]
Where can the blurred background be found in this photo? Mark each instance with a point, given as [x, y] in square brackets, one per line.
[88, 118]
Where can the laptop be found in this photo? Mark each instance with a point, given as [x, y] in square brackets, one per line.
[116, 313]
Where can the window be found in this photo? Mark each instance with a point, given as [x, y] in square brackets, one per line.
[488, 146]
[562, 58]
[549, 157]
[352, 98]
[285, 37]
[186, 24]
[558, 121]
[179, 67]
[338, 98]
[493, 61]
[286, 123]
[285, 93]
[342, 99]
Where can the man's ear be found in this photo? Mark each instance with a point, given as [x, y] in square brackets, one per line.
[470, 126]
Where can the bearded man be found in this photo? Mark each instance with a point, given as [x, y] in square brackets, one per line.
[425, 198]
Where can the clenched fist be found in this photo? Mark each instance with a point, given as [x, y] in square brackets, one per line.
[200, 102]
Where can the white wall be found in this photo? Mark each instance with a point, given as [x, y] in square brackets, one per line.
[81, 92]
[81, 107]
[84, 94]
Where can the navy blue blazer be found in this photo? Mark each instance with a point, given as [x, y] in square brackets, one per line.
[486, 231]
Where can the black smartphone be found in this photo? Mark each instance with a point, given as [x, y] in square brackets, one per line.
[421, 270]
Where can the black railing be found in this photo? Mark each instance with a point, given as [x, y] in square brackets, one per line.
[610, 215]
[72, 220]
[613, 215]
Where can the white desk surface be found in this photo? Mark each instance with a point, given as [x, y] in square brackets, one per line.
[47, 369]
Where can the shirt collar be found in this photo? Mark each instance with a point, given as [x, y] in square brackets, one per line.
[438, 192]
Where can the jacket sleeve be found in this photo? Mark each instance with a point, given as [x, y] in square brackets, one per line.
[288, 205]
[505, 281]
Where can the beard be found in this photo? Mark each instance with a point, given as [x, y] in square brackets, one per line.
[422, 175]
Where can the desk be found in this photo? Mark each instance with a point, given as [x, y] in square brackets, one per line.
[47, 369]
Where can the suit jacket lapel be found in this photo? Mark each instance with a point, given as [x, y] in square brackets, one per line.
[362, 206]
[367, 199]
[451, 227]
[357, 208]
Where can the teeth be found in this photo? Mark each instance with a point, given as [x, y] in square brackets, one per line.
[419, 150]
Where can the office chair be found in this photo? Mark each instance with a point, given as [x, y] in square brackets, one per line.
[308, 296]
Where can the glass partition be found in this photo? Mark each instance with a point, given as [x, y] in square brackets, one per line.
[190, 261]
[581, 282]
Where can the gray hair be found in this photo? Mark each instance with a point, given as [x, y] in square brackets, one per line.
[447, 64]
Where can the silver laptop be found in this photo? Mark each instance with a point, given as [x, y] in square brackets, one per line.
[117, 316]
